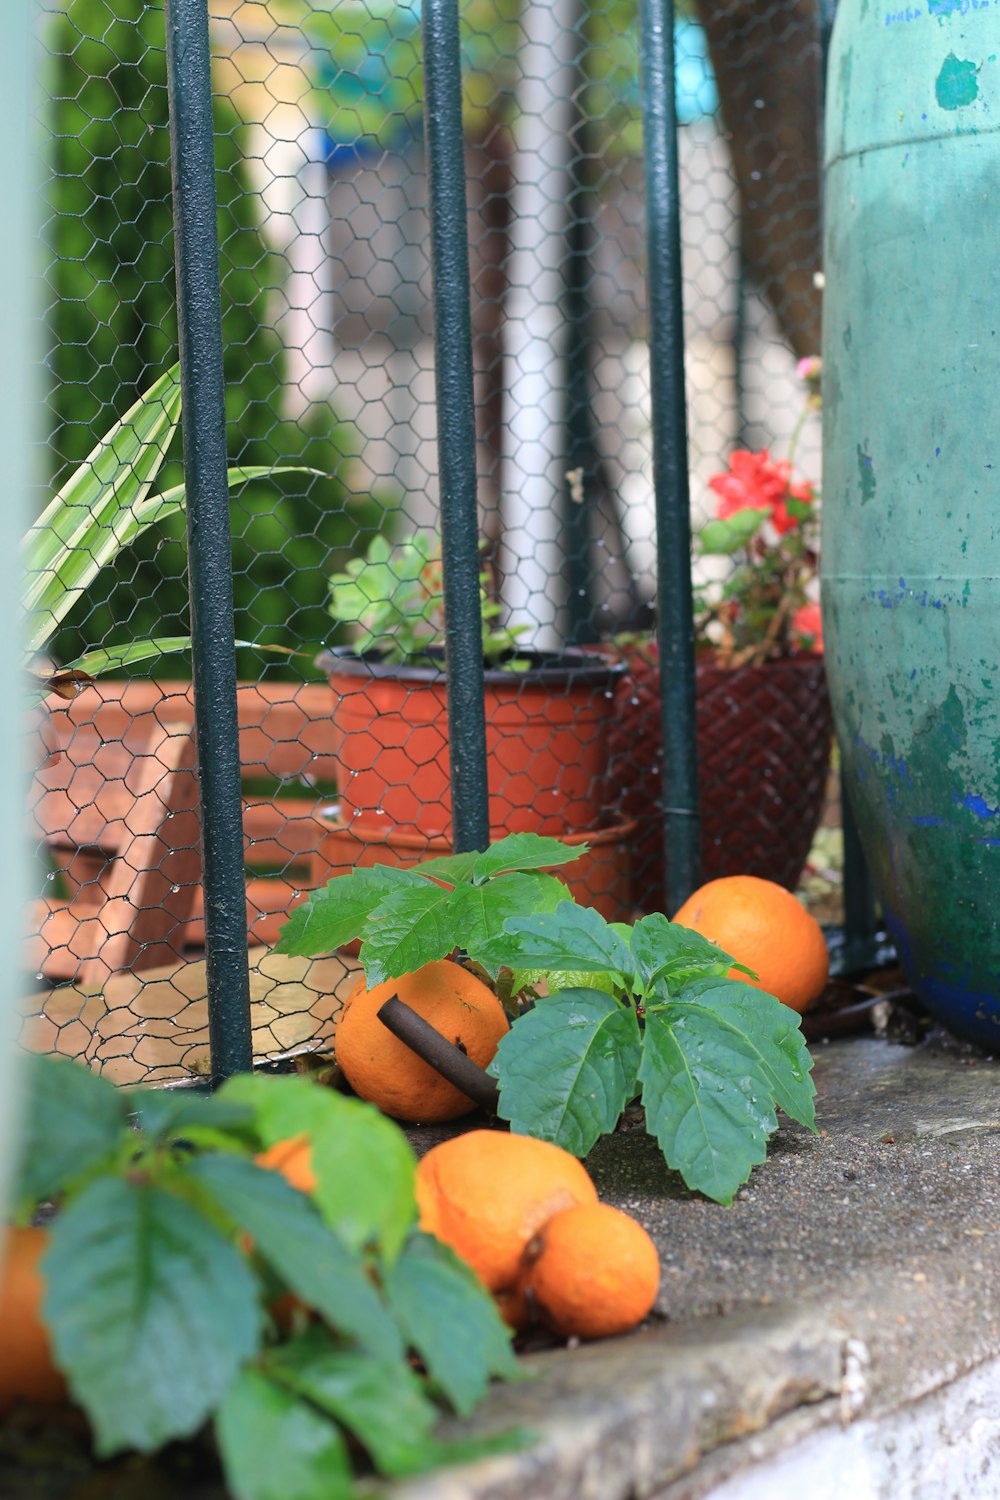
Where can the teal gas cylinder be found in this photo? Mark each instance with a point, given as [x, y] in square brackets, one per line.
[911, 478]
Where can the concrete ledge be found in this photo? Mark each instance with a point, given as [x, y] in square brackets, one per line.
[845, 1309]
[624, 1417]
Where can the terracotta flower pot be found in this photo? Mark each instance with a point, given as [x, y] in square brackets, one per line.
[764, 740]
[599, 878]
[546, 733]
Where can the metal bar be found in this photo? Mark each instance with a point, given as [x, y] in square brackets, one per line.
[199, 316]
[456, 422]
[670, 466]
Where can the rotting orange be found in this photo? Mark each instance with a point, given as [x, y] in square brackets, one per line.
[27, 1371]
[383, 1070]
[487, 1193]
[293, 1159]
[765, 927]
[590, 1272]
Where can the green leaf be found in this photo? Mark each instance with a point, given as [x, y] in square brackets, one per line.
[574, 938]
[773, 1034]
[363, 1164]
[454, 868]
[524, 851]
[720, 538]
[478, 912]
[380, 1401]
[568, 1068]
[337, 912]
[290, 1235]
[450, 1321]
[176, 497]
[275, 1446]
[73, 1122]
[666, 951]
[151, 1311]
[116, 658]
[365, 1169]
[101, 508]
[713, 1064]
[170, 1114]
[408, 929]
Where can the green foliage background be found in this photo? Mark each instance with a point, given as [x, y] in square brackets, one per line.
[111, 330]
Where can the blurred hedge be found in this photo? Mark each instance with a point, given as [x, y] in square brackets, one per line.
[111, 328]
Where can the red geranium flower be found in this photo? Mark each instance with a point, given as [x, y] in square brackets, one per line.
[756, 481]
[807, 621]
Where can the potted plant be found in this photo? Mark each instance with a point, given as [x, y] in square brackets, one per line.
[103, 507]
[763, 715]
[548, 716]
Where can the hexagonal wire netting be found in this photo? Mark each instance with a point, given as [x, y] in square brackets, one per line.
[326, 296]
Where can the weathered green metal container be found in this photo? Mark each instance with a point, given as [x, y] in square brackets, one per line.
[911, 478]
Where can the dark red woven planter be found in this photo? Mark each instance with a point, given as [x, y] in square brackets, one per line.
[764, 738]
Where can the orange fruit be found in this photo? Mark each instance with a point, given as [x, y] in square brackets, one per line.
[27, 1372]
[293, 1159]
[487, 1193]
[765, 927]
[383, 1070]
[591, 1272]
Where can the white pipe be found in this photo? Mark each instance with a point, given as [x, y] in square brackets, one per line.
[18, 429]
[535, 334]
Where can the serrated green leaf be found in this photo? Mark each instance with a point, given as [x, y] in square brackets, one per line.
[718, 538]
[454, 868]
[408, 929]
[74, 1120]
[275, 1446]
[337, 912]
[566, 979]
[478, 912]
[664, 950]
[773, 1034]
[289, 1234]
[450, 1321]
[380, 1401]
[524, 851]
[713, 1064]
[568, 1068]
[151, 1310]
[363, 1164]
[573, 937]
[563, 979]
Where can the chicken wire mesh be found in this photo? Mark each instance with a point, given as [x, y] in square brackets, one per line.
[327, 325]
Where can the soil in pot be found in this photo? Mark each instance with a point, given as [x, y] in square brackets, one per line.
[546, 732]
[764, 741]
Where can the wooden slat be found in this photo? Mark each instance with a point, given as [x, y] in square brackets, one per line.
[153, 1028]
[133, 914]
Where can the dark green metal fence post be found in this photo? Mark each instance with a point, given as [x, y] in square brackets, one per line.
[670, 461]
[456, 422]
[196, 255]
